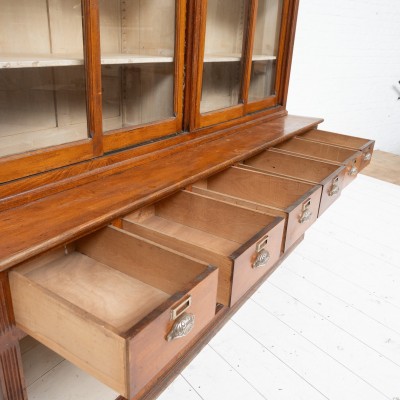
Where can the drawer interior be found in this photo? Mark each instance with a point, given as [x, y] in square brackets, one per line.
[292, 166]
[337, 139]
[208, 223]
[113, 283]
[259, 187]
[90, 285]
[317, 150]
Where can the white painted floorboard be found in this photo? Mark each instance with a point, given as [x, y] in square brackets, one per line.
[326, 325]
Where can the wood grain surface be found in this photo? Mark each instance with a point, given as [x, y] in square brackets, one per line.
[106, 198]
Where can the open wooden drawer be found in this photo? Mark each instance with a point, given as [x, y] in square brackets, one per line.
[330, 176]
[296, 201]
[352, 159]
[118, 306]
[244, 244]
[366, 146]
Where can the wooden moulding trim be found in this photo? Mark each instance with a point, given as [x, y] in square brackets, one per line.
[121, 138]
[32, 188]
[259, 105]
[215, 117]
[30, 163]
[223, 315]
[27, 230]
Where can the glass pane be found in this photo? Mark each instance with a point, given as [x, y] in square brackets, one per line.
[42, 77]
[265, 50]
[137, 46]
[222, 69]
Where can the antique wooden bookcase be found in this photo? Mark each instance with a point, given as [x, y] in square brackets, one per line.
[139, 140]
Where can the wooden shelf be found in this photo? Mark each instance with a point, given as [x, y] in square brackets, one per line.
[37, 61]
[235, 57]
[262, 57]
[110, 59]
[208, 58]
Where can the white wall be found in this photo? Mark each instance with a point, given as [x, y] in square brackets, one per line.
[346, 68]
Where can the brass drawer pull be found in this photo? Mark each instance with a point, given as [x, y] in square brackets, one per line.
[182, 327]
[367, 156]
[353, 171]
[262, 259]
[306, 213]
[335, 189]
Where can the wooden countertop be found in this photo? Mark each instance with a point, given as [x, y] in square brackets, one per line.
[40, 225]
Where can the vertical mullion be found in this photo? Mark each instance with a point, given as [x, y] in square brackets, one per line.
[248, 42]
[179, 59]
[289, 44]
[284, 44]
[190, 68]
[91, 29]
[200, 13]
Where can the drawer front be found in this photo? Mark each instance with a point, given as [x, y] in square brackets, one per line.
[331, 189]
[156, 342]
[353, 167]
[252, 261]
[366, 146]
[302, 215]
[367, 154]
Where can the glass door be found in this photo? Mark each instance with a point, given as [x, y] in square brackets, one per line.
[220, 76]
[223, 62]
[139, 69]
[42, 75]
[267, 54]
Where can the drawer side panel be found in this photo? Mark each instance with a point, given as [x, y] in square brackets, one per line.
[66, 330]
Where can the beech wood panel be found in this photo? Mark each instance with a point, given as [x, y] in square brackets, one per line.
[105, 198]
[219, 233]
[330, 176]
[269, 193]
